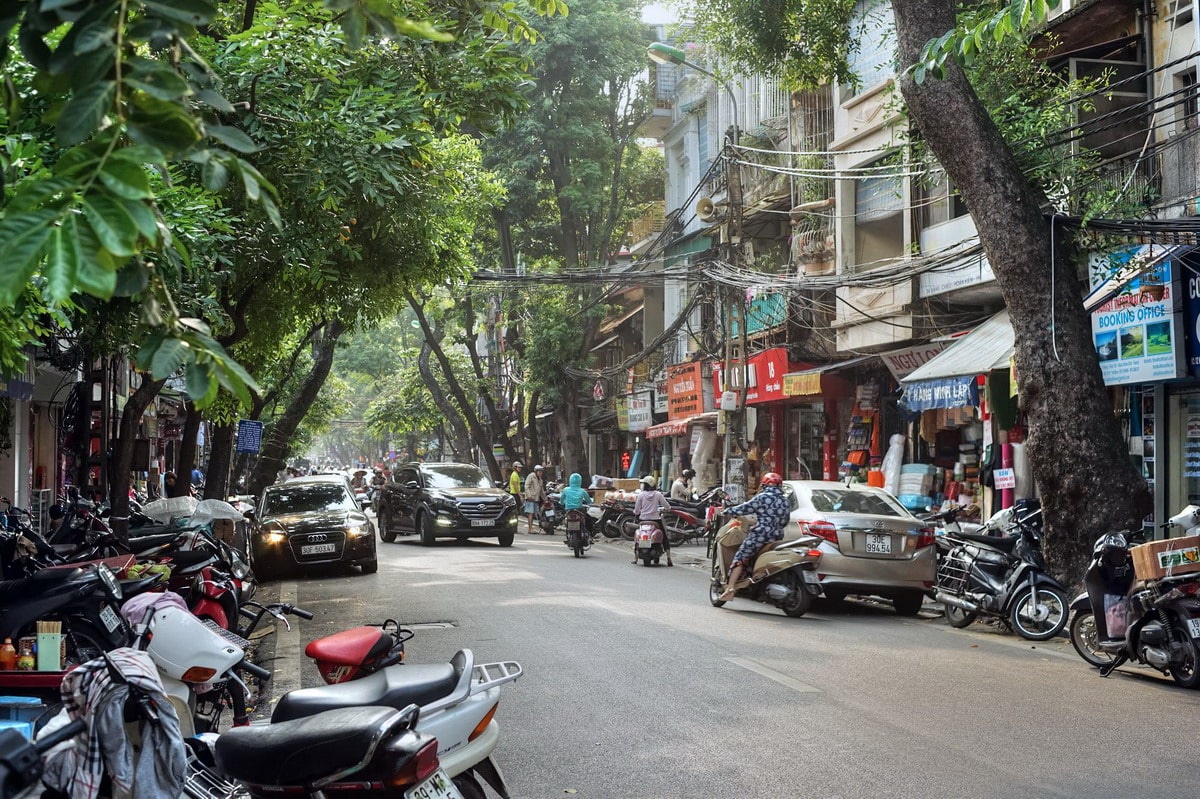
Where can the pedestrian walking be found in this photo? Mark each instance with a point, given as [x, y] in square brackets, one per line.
[535, 494]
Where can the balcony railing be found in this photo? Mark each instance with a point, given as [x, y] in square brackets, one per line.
[650, 223]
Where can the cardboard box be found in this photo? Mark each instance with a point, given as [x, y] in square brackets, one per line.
[1168, 558]
[630, 484]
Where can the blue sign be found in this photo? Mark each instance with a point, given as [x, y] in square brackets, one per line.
[1191, 316]
[249, 436]
[948, 392]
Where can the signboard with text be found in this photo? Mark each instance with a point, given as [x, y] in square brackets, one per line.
[1136, 334]
[249, 436]
[763, 377]
[902, 363]
[685, 390]
[639, 414]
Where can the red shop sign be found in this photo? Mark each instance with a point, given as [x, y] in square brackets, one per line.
[764, 379]
[685, 390]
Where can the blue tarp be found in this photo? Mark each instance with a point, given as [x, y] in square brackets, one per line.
[947, 392]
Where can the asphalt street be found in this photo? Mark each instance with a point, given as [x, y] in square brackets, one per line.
[635, 686]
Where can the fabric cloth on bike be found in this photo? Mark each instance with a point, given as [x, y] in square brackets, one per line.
[771, 511]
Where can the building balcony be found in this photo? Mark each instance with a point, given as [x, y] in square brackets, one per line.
[660, 120]
[646, 228]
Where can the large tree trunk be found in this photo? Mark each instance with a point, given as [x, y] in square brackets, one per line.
[1082, 467]
[216, 479]
[456, 390]
[569, 419]
[187, 452]
[276, 442]
[498, 427]
[122, 458]
[453, 416]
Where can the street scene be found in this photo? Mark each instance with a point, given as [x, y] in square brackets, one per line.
[490, 399]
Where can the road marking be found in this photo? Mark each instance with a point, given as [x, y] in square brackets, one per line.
[777, 676]
[612, 608]
[285, 670]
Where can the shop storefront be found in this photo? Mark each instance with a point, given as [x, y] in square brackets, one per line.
[687, 440]
[766, 413]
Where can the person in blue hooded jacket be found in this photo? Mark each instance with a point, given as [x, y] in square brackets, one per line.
[574, 496]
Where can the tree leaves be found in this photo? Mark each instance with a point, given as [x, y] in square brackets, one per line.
[82, 116]
[22, 237]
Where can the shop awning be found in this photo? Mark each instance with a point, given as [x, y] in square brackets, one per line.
[612, 324]
[678, 427]
[948, 379]
[1128, 264]
[807, 382]
[604, 343]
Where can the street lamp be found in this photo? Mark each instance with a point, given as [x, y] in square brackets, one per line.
[661, 53]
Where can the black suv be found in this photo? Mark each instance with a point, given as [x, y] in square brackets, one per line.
[446, 500]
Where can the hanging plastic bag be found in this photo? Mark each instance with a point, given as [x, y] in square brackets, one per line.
[1116, 615]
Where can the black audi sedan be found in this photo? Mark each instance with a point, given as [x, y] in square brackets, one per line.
[311, 522]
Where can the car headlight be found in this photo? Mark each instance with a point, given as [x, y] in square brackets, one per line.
[274, 537]
[357, 530]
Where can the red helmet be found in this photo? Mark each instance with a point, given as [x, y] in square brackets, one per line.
[772, 479]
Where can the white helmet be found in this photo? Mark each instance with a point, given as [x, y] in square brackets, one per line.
[537, 468]
[517, 465]
[650, 481]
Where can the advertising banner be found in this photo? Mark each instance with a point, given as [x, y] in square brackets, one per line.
[902, 363]
[1137, 333]
[950, 392]
[685, 390]
[639, 415]
[764, 377]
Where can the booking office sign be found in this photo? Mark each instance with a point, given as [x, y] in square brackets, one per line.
[1135, 304]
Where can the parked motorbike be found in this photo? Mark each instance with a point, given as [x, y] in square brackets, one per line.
[614, 514]
[1002, 577]
[549, 512]
[1157, 625]
[784, 573]
[21, 763]
[83, 599]
[577, 538]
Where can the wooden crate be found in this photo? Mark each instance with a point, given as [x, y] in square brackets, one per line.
[1167, 558]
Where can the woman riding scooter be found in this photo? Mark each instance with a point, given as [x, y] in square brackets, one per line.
[771, 512]
[648, 509]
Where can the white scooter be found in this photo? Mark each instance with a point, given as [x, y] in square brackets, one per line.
[458, 700]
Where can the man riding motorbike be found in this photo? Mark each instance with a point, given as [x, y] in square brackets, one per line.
[771, 512]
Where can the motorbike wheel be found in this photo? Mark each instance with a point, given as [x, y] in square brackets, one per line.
[1085, 639]
[1187, 673]
[1023, 616]
[547, 527]
[84, 642]
[715, 589]
[628, 526]
[647, 559]
[677, 533]
[960, 618]
[578, 547]
[798, 601]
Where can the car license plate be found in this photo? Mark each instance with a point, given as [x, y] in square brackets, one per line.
[110, 618]
[438, 786]
[482, 523]
[318, 549]
[1194, 627]
[879, 544]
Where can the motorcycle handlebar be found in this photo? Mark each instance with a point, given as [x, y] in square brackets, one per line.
[301, 612]
[256, 670]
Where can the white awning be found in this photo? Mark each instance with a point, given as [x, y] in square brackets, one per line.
[987, 347]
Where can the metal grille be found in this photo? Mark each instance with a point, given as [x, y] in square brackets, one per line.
[952, 574]
[481, 510]
[232, 637]
[202, 783]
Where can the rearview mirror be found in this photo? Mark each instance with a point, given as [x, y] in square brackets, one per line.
[413, 485]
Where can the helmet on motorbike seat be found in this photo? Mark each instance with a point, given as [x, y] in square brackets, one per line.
[772, 479]
[649, 480]
[1112, 549]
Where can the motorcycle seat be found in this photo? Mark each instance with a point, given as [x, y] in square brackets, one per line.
[1003, 543]
[395, 687]
[41, 582]
[301, 751]
[139, 543]
[350, 647]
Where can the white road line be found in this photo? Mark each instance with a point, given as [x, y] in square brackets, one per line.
[612, 608]
[777, 676]
[289, 660]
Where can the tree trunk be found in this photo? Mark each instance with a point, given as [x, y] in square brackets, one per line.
[1081, 464]
[569, 418]
[535, 444]
[122, 456]
[276, 442]
[453, 416]
[187, 452]
[498, 421]
[456, 391]
[216, 479]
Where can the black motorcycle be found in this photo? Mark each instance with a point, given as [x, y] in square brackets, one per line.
[578, 536]
[84, 599]
[1003, 577]
[1157, 625]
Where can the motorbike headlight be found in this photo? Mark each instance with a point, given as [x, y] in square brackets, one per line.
[240, 570]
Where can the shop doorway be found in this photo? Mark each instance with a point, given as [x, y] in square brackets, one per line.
[804, 441]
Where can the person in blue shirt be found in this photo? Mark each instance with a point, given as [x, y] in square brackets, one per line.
[770, 509]
[574, 496]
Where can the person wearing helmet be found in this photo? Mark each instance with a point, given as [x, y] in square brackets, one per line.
[535, 495]
[648, 508]
[681, 489]
[770, 509]
[514, 481]
[575, 496]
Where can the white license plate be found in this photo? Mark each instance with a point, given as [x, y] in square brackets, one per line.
[549, 514]
[1194, 627]
[318, 549]
[879, 544]
[437, 786]
[482, 523]
[810, 577]
[110, 618]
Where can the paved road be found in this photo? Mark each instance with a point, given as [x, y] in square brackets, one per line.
[636, 687]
